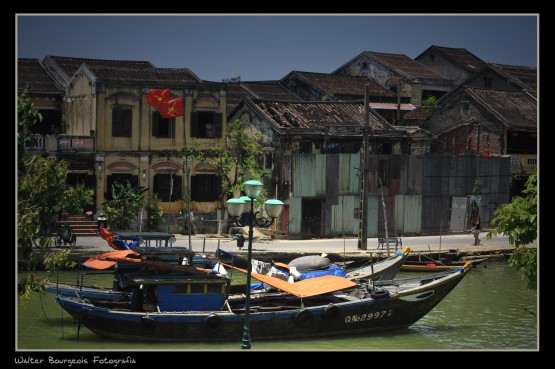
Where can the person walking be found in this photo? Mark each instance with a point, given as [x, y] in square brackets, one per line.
[476, 230]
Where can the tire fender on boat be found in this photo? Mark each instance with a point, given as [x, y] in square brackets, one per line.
[213, 322]
[379, 294]
[332, 312]
[304, 318]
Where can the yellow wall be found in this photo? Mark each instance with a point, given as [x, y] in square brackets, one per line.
[142, 150]
[80, 107]
[524, 163]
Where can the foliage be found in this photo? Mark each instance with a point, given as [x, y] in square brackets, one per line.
[122, 209]
[476, 187]
[518, 220]
[232, 80]
[430, 101]
[526, 259]
[27, 116]
[155, 213]
[41, 194]
[76, 198]
[27, 228]
[53, 261]
[326, 98]
[43, 187]
[237, 160]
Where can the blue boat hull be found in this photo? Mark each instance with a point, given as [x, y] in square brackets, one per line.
[325, 315]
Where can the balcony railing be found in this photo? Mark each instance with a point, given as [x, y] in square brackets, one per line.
[61, 143]
[36, 144]
[75, 143]
[524, 163]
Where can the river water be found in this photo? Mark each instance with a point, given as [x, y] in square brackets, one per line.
[491, 309]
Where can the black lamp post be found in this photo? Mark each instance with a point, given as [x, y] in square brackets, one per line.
[248, 217]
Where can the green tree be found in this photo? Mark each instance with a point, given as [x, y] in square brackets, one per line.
[122, 209]
[237, 161]
[41, 194]
[76, 198]
[27, 116]
[43, 188]
[430, 101]
[155, 213]
[518, 220]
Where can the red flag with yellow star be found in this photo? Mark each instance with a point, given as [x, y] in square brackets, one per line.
[156, 97]
[173, 108]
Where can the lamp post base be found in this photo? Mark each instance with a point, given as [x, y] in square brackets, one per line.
[246, 344]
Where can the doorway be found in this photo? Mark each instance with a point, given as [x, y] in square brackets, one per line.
[311, 218]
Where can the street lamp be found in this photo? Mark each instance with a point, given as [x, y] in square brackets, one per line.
[237, 208]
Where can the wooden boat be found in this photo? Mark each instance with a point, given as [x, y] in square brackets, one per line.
[435, 266]
[200, 308]
[382, 270]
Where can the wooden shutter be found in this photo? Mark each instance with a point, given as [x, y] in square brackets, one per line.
[155, 116]
[217, 124]
[194, 124]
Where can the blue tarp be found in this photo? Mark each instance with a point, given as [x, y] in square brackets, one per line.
[331, 270]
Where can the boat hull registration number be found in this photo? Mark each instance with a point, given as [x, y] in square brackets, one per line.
[358, 318]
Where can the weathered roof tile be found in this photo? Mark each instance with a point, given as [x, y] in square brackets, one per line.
[30, 71]
[517, 109]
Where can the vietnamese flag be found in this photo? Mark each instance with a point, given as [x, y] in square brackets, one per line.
[173, 108]
[155, 97]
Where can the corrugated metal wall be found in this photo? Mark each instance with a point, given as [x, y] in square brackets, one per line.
[309, 175]
[348, 173]
[373, 211]
[408, 210]
[342, 218]
[423, 189]
[295, 214]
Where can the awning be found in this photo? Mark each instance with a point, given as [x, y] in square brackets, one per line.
[308, 287]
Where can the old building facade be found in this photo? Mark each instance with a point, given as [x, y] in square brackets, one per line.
[398, 73]
[113, 135]
[455, 64]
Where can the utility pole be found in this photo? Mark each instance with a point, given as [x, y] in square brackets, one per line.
[398, 101]
[363, 238]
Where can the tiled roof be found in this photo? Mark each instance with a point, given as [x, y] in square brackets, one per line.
[418, 115]
[271, 90]
[30, 71]
[461, 56]
[318, 115]
[147, 75]
[70, 65]
[335, 85]
[527, 76]
[405, 65]
[517, 109]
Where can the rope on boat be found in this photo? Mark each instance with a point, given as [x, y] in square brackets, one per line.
[42, 307]
[508, 294]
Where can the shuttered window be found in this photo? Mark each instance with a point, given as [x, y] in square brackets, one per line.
[163, 187]
[206, 187]
[206, 124]
[122, 120]
[162, 127]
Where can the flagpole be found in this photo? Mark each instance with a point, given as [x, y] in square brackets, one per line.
[187, 175]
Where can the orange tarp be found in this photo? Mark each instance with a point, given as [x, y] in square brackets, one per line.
[108, 236]
[108, 259]
[308, 287]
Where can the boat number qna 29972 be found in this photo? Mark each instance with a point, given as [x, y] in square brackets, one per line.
[356, 318]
